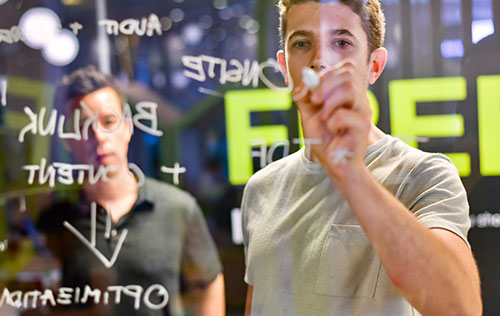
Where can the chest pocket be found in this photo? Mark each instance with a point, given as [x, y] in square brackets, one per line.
[349, 266]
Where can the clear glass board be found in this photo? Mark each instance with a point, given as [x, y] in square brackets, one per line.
[197, 106]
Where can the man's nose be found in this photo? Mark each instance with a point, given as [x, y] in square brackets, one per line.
[99, 133]
[318, 63]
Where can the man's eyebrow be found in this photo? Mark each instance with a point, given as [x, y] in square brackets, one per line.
[331, 32]
[108, 115]
[341, 32]
[299, 33]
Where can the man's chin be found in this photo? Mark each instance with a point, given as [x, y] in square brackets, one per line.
[103, 174]
[110, 169]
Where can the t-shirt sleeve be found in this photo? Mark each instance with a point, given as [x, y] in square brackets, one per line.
[244, 228]
[200, 261]
[434, 192]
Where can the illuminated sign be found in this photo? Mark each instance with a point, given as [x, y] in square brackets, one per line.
[403, 95]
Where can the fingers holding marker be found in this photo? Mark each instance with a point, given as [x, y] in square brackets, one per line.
[342, 96]
[321, 94]
[310, 80]
[347, 96]
[339, 79]
[344, 120]
[337, 111]
[330, 82]
[349, 131]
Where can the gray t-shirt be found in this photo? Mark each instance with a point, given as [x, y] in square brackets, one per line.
[305, 251]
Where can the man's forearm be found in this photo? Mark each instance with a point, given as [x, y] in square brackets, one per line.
[431, 276]
[212, 301]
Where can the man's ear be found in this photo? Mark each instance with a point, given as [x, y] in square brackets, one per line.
[378, 60]
[280, 55]
[128, 129]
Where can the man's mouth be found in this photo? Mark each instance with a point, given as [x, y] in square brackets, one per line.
[102, 158]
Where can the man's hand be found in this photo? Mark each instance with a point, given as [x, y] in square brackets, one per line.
[338, 113]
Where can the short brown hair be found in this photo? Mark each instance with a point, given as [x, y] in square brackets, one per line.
[80, 83]
[370, 12]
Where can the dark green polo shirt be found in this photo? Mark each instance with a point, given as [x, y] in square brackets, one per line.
[167, 237]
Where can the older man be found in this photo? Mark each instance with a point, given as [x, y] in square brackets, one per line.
[148, 234]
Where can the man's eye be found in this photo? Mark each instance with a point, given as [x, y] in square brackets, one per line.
[342, 43]
[301, 44]
[109, 124]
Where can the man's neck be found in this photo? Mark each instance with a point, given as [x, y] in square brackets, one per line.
[375, 135]
[116, 196]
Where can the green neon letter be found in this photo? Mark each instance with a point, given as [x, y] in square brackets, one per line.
[240, 133]
[488, 116]
[406, 124]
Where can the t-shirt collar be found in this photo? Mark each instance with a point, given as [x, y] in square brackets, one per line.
[370, 153]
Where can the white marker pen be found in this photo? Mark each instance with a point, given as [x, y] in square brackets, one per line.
[310, 78]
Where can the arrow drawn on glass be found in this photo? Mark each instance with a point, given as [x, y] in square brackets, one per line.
[4, 92]
[92, 243]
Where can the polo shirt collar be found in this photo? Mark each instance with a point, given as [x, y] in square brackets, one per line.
[144, 202]
[145, 199]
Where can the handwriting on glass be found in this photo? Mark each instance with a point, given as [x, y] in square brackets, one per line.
[146, 111]
[245, 73]
[108, 263]
[146, 26]
[22, 203]
[65, 173]
[4, 92]
[68, 296]
[175, 171]
[266, 155]
[340, 155]
[75, 27]
[3, 245]
[12, 35]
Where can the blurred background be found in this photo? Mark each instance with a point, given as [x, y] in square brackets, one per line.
[440, 92]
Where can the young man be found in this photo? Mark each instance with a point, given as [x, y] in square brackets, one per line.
[167, 235]
[364, 224]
